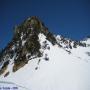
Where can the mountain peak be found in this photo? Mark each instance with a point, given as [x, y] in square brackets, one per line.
[33, 21]
[29, 23]
[30, 41]
[25, 43]
[33, 17]
[35, 54]
[32, 24]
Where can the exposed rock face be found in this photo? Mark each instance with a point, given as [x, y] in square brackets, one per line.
[25, 40]
[25, 44]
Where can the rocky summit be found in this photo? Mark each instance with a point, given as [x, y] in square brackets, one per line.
[36, 59]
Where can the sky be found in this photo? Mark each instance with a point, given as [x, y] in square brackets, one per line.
[70, 18]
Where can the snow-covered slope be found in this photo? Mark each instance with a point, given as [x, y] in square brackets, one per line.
[58, 68]
[62, 71]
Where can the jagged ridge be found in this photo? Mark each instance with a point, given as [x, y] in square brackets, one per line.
[25, 44]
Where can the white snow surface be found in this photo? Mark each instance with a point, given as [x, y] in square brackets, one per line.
[63, 71]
